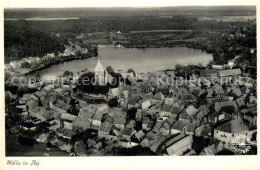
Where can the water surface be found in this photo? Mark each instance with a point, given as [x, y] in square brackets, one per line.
[141, 60]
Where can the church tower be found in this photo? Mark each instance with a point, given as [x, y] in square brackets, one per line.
[100, 74]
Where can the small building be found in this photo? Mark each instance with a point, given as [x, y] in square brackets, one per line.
[218, 67]
[145, 123]
[120, 123]
[180, 147]
[81, 124]
[127, 133]
[66, 121]
[229, 73]
[166, 110]
[104, 130]
[96, 120]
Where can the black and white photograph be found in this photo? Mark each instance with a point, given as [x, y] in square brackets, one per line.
[162, 80]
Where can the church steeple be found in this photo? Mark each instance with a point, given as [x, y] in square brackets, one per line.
[99, 66]
[100, 74]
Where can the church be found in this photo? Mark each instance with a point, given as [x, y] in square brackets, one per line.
[101, 75]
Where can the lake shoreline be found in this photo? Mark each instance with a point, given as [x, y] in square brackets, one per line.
[142, 60]
[13, 147]
[60, 60]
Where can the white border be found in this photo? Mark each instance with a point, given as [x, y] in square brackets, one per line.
[145, 162]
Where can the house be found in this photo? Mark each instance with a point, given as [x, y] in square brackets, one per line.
[177, 127]
[218, 90]
[231, 63]
[155, 109]
[166, 110]
[170, 100]
[215, 117]
[176, 112]
[180, 146]
[200, 129]
[38, 97]
[15, 64]
[189, 128]
[146, 104]
[145, 122]
[218, 67]
[165, 128]
[25, 114]
[114, 93]
[120, 123]
[240, 102]
[219, 105]
[127, 133]
[212, 149]
[150, 125]
[146, 88]
[34, 83]
[64, 133]
[22, 107]
[81, 124]
[88, 116]
[96, 120]
[138, 136]
[251, 117]
[158, 97]
[209, 73]
[48, 89]
[59, 106]
[63, 92]
[229, 73]
[205, 83]
[134, 101]
[229, 131]
[179, 103]
[66, 121]
[200, 117]
[24, 99]
[104, 130]
[155, 144]
[187, 115]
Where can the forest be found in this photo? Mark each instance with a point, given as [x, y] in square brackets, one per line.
[223, 39]
[22, 41]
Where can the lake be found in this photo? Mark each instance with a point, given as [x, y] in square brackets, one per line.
[141, 60]
[15, 148]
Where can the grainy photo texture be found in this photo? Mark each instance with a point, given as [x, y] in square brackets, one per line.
[130, 81]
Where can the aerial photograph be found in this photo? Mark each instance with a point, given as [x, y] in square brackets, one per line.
[128, 81]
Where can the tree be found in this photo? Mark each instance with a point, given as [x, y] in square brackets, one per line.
[22, 90]
[7, 98]
[26, 65]
[229, 109]
[113, 102]
[110, 70]
[131, 113]
[130, 70]
[56, 53]
[67, 73]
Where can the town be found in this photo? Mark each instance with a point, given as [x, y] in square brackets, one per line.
[207, 110]
[130, 81]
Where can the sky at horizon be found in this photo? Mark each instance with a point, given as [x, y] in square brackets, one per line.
[120, 3]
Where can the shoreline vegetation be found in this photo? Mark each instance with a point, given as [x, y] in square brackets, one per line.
[60, 60]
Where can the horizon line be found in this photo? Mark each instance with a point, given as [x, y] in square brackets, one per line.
[134, 7]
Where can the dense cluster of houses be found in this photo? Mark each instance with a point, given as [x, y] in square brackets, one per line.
[166, 117]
